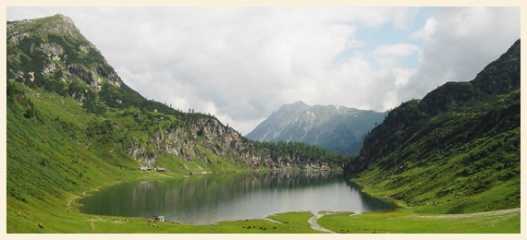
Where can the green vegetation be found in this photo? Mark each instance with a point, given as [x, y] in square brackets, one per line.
[293, 222]
[304, 151]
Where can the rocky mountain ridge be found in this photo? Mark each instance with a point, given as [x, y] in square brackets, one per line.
[337, 128]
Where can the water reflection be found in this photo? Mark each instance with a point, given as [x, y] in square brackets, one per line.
[211, 198]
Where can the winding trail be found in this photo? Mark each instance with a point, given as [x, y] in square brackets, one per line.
[314, 224]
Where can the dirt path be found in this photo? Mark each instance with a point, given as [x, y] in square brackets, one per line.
[94, 220]
[92, 226]
[70, 199]
[314, 224]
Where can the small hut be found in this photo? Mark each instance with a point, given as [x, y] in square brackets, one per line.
[159, 218]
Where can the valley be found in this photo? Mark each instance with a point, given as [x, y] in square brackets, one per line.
[74, 128]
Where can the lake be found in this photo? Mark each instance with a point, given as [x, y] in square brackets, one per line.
[206, 199]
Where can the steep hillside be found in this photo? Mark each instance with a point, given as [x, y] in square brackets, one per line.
[73, 125]
[456, 150]
[339, 129]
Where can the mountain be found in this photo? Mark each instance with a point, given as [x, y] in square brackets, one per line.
[458, 147]
[74, 125]
[336, 128]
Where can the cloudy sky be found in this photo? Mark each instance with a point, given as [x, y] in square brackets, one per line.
[243, 63]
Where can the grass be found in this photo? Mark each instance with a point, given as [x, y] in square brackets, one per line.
[407, 221]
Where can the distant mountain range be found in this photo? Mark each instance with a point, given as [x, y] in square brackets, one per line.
[337, 128]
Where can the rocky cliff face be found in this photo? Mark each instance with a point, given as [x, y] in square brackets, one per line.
[209, 135]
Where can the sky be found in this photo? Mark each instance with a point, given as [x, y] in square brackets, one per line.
[242, 63]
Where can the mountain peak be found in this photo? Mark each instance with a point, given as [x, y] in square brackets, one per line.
[336, 128]
[293, 108]
[60, 18]
[58, 24]
[51, 51]
[61, 24]
[502, 75]
[297, 104]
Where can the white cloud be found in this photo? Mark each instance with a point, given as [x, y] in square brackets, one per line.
[463, 41]
[404, 17]
[397, 50]
[427, 31]
[402, 75]
[241, 64]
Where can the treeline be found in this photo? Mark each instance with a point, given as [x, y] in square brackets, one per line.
[303, 151]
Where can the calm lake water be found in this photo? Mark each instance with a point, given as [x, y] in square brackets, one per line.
[205, 199]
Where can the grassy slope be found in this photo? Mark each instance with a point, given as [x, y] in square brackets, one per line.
[461, 161]
[481, 174]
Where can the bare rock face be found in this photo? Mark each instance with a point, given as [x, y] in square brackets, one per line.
[224, 142]
[53, 50]
[88, 76]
